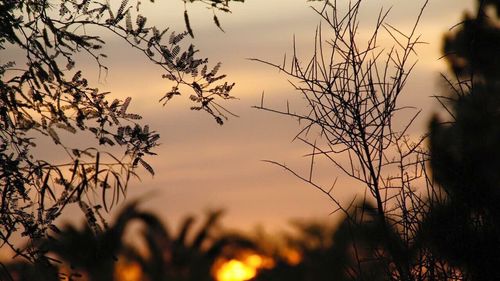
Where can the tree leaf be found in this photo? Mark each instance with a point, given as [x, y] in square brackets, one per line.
[147, 166]
[188, 25]
[217, 23]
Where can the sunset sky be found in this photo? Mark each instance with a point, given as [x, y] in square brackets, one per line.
[201, 165]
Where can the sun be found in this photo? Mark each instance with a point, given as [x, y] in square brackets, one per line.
[235, 270]
[245, 267]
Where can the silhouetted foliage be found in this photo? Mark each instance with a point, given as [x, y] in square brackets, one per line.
[45, 95]
[346, 252]
[464, 228]
[352, 87]
[472, 49]
[360, 247]
[188, 255]
[27, 271]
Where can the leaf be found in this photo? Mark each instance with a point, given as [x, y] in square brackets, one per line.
[46, 38]
[96, 178]
[197, 88]
[188, 26]
[128, 21]
[175, 51]
[154, 138]
[66, 127]
[121, 9]
[125, 105]
[141, 22]
[174, 39]
[211, 80]
[147, 166]
[215, 69]
[106, 140]
[169, 95]
[90, 216]
[217, 23]
[204, 70]
[54, 136]
[169, 77]
[132, 116]
[70, 64]
[105, 186]
[119, 140]
[54, 228]
[114, 103]
[108, 8]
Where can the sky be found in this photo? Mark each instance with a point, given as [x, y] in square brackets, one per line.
[201, 165]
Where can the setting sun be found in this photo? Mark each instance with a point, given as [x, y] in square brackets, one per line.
[245, 267]
[235, 270]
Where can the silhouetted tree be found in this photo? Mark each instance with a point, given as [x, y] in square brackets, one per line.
[351, 88]
[464, 228]
[45, 95]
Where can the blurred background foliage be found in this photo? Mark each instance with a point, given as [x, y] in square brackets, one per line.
[313, 250]
[464, 228]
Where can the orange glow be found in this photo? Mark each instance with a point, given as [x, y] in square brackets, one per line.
[128, 272]
[254, 261]
[244, 268]
[292, 257]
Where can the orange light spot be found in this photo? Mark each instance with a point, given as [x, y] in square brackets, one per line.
[292, 257]
[235, 270]
[128, 272]
[254, 261]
